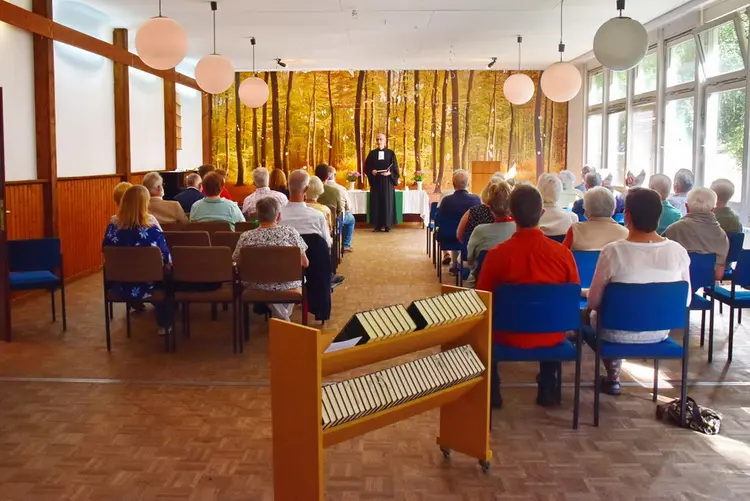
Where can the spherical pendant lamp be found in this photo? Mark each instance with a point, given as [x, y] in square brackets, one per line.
[253, 91]
[518, 88]
[161, 42]
[214, 73]
[562, 81]
[620, 43]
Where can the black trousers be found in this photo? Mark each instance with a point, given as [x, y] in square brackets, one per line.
[546, 379]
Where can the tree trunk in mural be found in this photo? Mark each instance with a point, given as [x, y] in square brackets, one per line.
[366, 128]
[538, 148]
[404, 95]
[434, 127]
[330, 135]
[275, 122]
[314, 158]
[310, 115]
[285, 158]
[455, 125]
[467, 122]
[256, 159]
[238, 131]
[510, 140]
[372, 119]
[548, 138]
[443, 119]
[357, 120]
[417, 124]
[491, 120]
[388, 107]
[264, 128]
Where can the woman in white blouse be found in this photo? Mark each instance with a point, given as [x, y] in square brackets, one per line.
[555, 220]
[644, 257]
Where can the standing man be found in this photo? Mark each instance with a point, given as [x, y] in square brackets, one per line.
[381, 169]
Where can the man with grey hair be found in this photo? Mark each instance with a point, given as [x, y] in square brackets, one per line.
[699, 231]
[599, 229]
[381, 169]
[727, 218]
[662, 185]
[187, 197]
[586, 169]
[260, 180]
[592, 180]
[453, 207]
[165, 211]
[683, 183]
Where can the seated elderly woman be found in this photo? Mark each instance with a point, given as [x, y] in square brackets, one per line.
[214, 207]
[699, 231]
[600, 229]
[131, 227]
[117, 194]
[487, 236]
[479, 214]
[644, 257]
[555, 220]
[315, 188]
[271, 234]
[569, 194]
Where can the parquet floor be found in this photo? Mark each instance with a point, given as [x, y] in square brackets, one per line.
[78, 423]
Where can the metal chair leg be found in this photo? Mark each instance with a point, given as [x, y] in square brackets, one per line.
[107, 306]
[111, 311]
[235, 342]
[597, 374]
[62, 304]
[52, 299]
[739, 316]
[711, 333]
[127, 319]
[703, 327]
[246, 320]
[656, 379]
[683, 387]
[731, 333]
[577, 389]
[214, 312]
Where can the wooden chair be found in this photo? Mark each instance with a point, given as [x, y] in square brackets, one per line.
[279, 264]
[132, 265]
[335, 247]
[193, 267]
[187, 238]
[246, 226]
[209, 226]
[173, 227]
[226, 239]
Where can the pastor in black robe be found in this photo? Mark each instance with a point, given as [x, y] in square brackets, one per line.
[382, 187]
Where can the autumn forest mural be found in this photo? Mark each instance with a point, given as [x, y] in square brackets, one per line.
[435, 121]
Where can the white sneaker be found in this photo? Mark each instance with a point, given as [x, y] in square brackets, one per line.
[163, 332]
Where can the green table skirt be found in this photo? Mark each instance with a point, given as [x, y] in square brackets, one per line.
[399, 207]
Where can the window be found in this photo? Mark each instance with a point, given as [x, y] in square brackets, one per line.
[594, 141]
[618, 85]
[678, 136]
[644, 136]
[178, 107]
[596, 88]
[721, 50]
[681, 63]
[645, 75]
[616, 147]
[725, 129]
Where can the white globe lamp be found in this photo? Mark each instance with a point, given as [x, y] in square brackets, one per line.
[214, 74]
[161, 43]
[518, 88]
[253, 92]
[561, 82]
[620, 43]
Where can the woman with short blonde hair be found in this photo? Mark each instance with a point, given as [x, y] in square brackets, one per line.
[119, 191]
[315, 188]
[479, 214]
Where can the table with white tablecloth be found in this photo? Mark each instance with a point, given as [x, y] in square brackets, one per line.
[412, 202]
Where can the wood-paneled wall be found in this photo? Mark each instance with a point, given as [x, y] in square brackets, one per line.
[25, 201]
[137, 178]
[85, 207]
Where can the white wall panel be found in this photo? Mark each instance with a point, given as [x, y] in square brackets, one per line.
[191, 154]
[146, 122]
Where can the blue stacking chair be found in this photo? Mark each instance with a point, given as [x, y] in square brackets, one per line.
[446, 238]
[736, 241]
[557, 238]
[619, 218]
[431, 224]
[464, 271]
[702, 273]
[37, 264]
[640, 308]
[534, 309]
[732, 297]
[479, 263]
[586, 264]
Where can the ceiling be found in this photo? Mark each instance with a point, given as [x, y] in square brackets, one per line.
[389, 34]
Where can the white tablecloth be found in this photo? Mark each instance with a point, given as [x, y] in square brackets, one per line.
[414, 202]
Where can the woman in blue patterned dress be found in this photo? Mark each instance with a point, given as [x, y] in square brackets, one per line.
[131, 227]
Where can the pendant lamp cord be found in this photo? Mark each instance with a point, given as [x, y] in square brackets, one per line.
[561, 47]
[252, 42]
[214, 6]
[160, 9]
[520, 39]
[621, 6]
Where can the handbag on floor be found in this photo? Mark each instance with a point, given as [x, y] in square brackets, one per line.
[702, 419]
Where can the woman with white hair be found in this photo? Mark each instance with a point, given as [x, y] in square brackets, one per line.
[555, 220]
[314, 189]
[600, 229]
[569, 194]
[479, 214]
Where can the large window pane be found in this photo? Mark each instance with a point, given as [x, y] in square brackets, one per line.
[616, 147]
[678, 136]
[594, 141]
[721, 50]
[725, 128]
[645, 74]
[681, 63]
[644, 134]
[596, 88]
[618, 85]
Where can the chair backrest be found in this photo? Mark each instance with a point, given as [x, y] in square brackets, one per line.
[702, 270]
[187, 238]
[433, 210]
[226, 239]
[209, 226]
[133, 264]
[736, 241]
[556, 238]
[586, 264]
[37, 254]
[447, 227]
[619, 218]
[536, 308]
[202, 264]
[644, 307]
[741, 275]
[251, 224]
[266, 265]
[479, 263]
[173, 226]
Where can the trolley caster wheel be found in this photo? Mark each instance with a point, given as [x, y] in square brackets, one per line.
[485, 466]
[446, 452]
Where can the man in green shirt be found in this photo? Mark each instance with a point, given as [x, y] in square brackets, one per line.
[727, 218]
[331, 196]
[661, 184]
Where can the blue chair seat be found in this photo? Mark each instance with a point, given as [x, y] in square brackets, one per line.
[563, 351]
[665, 349]
[700, 303]
[584, 302]
[741, 298]
[26, 280]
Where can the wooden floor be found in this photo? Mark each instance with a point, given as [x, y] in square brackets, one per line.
[78, 423]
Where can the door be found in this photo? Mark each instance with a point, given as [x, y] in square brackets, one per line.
[4, 285]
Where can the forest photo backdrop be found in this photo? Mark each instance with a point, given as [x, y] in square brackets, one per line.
[435, 121]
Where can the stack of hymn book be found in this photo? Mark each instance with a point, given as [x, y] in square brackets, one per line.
[446, 308]
[359, 397]
[376, 325]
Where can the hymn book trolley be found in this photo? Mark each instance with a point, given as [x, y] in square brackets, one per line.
[299, 364]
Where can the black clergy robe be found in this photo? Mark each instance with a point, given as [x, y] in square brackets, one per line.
[382, 188]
